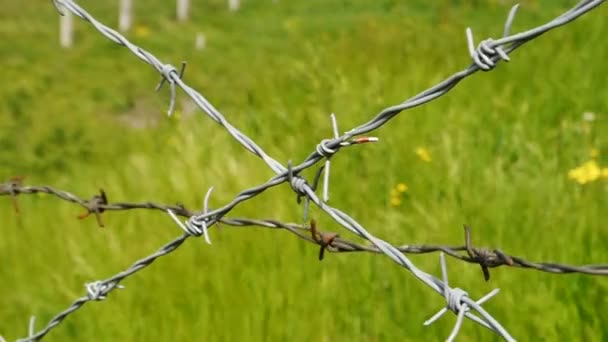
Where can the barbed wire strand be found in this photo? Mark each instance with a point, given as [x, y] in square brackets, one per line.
[98, 290]
[490, 257]
[487, 54]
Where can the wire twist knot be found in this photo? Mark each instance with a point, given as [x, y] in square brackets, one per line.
[488, 52]
[97, 290]
[491, 258]
[13, 185]
[197, 225]
[298, 184]
[323, 148]
[454, 299]
[96, 205]
[167, 71]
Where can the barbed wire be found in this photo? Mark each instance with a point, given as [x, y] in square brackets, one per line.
[330, 241]
[485, 57]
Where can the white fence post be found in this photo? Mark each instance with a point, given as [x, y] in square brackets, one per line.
[234, 5]
[182, 9]
[200, 42]
[124, 15]
[66, 30]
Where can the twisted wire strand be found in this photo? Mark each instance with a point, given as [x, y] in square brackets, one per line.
[172, 76]
[338, 245]
[98, 290]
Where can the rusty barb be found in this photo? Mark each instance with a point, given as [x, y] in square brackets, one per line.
[11, 187]
[325, 240]
[483, 256]
[95, 205]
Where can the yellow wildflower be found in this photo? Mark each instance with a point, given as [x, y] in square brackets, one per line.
[588, 172]
[423, 154]
[394, 193]
[605, 172]
[142, 31]
[395, 201]
[397, 194]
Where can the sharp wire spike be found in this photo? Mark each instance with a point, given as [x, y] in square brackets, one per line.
[166, 77]
[488, 296]
[172, 100]
[315, 184]
[444, 274]
[326, 180]
[435, 316]
[32, 326]
[179, 223]
[182, 69]
[510, 19]
[471, 46]
[160, 84]
[457, 326]
[205, 211]
[306, 208]
[334, 124]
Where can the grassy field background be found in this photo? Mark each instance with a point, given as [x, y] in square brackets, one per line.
[501, 144]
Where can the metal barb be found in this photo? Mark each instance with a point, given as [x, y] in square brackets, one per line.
[191, 225]
[96, 206]
[475, 255]
[315, 183]
[298, 184]
[168, 71]
[484, 55]
[194, 231]
[322, 239]
[98, 290]
[456, 302]
[334, 124]
[32, 326]
[510, 19]
[12, 185]
[205, 211]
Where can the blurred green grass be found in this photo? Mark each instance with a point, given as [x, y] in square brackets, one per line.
[501, 143]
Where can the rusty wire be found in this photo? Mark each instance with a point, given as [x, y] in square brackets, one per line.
[330, 241]
[485, 57]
